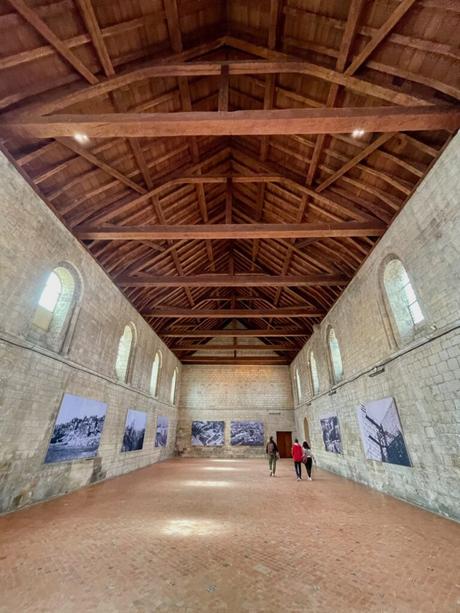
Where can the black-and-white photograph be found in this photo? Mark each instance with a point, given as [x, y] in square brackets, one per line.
[331, 433]
[249, 433]
[161, 436]
[208, 433]
[133, 438]
[77, 430]
[381, 432]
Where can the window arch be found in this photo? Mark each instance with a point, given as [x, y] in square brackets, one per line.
[56, 313]
[173, 387]
[314, 374]
[298, 385]
[125, 353]
[154, 377]
[336, 358]
[405, 311]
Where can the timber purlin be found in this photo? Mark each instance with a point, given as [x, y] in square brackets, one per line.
[221, 185]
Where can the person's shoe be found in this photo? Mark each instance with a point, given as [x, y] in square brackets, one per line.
[298, 478]
[310, 479]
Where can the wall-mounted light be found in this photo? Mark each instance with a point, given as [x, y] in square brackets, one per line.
[378, 370]
[81, 138]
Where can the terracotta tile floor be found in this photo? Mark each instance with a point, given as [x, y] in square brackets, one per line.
[220, 535]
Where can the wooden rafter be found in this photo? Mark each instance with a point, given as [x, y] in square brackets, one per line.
[89, 16]
[40, 26]
[234, 201]
[380, 35]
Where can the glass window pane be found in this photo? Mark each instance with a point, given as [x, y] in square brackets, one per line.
[416, 312]
[51, 293]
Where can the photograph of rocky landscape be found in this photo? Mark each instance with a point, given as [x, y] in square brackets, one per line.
[77, 430]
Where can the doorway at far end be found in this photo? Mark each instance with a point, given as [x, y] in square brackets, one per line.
[284, 443]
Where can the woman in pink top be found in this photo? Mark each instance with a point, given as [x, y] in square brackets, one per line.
[297, 456]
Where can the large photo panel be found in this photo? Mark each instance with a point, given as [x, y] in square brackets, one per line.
[249, 433]
[161, 435]
[381, 432]
[77, 430]
[133, 437]
[332, 436]
[208, 433]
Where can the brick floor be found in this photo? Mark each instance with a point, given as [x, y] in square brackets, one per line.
[220, 535]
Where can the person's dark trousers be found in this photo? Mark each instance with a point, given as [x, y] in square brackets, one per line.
[298, 469]
[308, 465]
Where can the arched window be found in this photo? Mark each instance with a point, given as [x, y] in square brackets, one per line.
[404, 306]
[314, 374]
[125, 353]
[336, 358]
[173, 387]
[298, 385]
[306, 430]
[51, 324]
[155, 374]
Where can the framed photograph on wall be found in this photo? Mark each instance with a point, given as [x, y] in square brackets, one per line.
[208, 433]
[332, 436]
[77, 431]
[381, 432]
[161, 435]
[133, 437]
[250, 433]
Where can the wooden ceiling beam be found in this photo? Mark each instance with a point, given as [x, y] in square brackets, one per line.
[63, 50]
[238, 361]
[89, 17]
[380, 35]
[373, 146]
[248, 347]
[80, 40]
[287, 121]
[225, 280]
[231, 231]
[361, 86]
[115, 209]
[348, 38]
[239, 333]
[92, 159]
[280, 312]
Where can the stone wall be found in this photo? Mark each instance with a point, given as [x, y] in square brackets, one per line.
[421, 374]
[33, 378]
[240, 393]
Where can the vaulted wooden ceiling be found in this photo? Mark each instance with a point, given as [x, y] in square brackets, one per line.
[205, 152]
